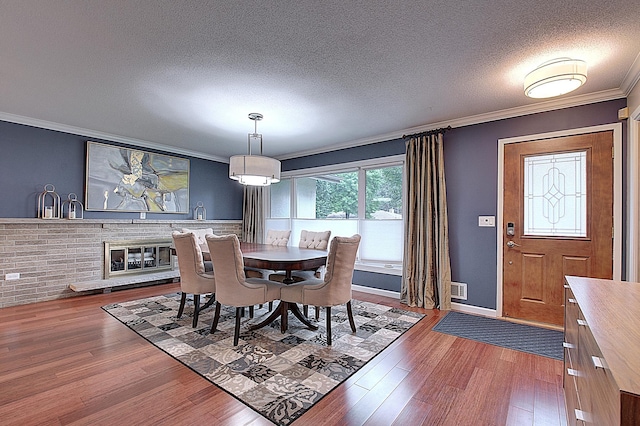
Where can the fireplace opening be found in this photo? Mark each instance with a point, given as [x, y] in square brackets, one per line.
[136, 257]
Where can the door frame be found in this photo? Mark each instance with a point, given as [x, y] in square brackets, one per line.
[633, 193]
[617, 195]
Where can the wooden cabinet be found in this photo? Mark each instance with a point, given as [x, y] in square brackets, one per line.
[602, 352]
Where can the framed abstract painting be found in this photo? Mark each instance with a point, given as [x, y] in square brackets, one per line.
[131, 180]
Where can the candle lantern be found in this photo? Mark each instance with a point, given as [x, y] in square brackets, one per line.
[49, 203]
[72, 208]
[199, 212]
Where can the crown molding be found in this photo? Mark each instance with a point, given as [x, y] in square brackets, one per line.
[633, 76]
[537, 107]
[49, 125]
[543, 106]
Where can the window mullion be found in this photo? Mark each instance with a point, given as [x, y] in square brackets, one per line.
[362, 185]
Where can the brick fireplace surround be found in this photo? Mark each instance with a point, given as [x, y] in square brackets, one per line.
[52, 255]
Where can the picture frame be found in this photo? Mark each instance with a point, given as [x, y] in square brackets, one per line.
[132, 180]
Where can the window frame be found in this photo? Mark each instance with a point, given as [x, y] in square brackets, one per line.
[391, 267]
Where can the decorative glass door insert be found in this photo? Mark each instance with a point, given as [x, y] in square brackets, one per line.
[555, 200]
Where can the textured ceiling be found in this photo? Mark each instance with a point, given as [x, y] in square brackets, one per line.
[185, 74]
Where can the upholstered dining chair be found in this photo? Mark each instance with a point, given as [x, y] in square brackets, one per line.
[232, 286]
[275, 237]
[335, 288]
[310, 240]
[193, 277]
[200, 234]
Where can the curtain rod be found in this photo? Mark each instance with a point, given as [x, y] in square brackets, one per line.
[427, 133]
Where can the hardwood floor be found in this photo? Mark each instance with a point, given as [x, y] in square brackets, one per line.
[68, 362]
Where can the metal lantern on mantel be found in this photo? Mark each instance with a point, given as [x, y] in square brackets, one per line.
[199, 212]
[49, 203]
[72, 208]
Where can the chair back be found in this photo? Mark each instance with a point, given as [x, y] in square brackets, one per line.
[278, 238]
[340, 264]
[200, 234]
[229, 267]
[314, 240]
[193, 278]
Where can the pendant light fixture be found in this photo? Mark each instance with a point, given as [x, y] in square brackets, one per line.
[254, 170]
[555, 78]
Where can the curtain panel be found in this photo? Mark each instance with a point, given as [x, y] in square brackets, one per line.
[426, 279]
[253, 215]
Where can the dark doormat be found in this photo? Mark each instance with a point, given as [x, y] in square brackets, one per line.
[520, 337]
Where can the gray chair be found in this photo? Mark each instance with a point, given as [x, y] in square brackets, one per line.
[232, 286]
[335, 288]
[193, 277]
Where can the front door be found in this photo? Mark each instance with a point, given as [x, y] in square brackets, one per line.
[558, 220]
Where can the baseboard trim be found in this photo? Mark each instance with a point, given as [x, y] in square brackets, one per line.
[376, 291]
[460, 307]
[469, 309]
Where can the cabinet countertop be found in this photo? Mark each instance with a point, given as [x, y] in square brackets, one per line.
[612, 312]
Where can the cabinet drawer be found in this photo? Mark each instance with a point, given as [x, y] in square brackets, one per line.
[571, 398]
[597, 382]
[571, 315]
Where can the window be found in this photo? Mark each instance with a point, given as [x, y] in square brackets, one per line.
[363, 197]
[555, 200]
[281, 199]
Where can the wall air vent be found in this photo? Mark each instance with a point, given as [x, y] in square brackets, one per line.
[458, 291]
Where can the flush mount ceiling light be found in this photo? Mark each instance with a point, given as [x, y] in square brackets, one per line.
[254, 170]
[555, 78]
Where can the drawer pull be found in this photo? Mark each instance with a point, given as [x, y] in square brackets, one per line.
[598, 362]
[582, 322]
[582, 416]
[568, 345]
[572, 301]
[572, 372]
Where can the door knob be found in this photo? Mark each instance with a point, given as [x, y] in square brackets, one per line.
[511, 244]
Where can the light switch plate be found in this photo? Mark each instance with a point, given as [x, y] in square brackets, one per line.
[12, 276]
[487, 221]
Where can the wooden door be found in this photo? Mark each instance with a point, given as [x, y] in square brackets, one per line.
[558, 195]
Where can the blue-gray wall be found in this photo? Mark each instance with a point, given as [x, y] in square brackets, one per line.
[471, 169]
[31, 157]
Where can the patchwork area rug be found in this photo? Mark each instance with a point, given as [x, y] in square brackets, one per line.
[521, 337]
[278, 375]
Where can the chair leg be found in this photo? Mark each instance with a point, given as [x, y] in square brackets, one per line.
[305, 310]
[196, 309]
[284, 316]
[183, 299]
[211, 301]
[328, 313]
[236, 334]
[251, 311]
[350, 314]
[270, 306]
[216, 318]
[317, 313]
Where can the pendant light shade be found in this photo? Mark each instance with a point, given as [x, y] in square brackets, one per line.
[254, 170]
[555, 78]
